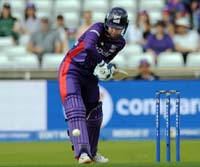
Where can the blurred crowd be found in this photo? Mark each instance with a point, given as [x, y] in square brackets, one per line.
[178, 30]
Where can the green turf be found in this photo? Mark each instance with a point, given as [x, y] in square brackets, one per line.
[121, 154]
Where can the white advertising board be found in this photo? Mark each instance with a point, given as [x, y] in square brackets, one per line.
[23, 105]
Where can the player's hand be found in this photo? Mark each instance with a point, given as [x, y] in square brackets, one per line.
[104, 71]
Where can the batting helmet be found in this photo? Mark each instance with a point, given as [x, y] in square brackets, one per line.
[117, 17]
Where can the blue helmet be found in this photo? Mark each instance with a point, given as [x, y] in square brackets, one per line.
[117, 17]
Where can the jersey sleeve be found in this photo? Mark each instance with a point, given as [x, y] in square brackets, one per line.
[119, 48]
[91, 39]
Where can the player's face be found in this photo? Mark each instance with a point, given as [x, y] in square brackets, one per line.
[114, 32]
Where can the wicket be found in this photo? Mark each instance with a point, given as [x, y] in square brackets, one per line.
[167, 130]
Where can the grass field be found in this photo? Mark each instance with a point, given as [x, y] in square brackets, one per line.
[121, 154]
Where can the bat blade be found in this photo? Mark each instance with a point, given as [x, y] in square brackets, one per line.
[119, 74]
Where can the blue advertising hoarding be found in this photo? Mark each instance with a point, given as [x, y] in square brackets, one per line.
[128, 107]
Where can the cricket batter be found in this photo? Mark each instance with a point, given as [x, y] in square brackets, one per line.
[82, 67]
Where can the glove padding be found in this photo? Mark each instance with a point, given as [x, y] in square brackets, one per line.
[104, 71]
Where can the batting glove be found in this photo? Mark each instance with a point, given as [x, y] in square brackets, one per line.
[104, 71]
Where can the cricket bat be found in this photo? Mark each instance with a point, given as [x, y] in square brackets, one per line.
[119, 74]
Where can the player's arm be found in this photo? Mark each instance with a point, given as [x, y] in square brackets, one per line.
[107, 71]
[117, 74]
[90, 42]
[120, 47]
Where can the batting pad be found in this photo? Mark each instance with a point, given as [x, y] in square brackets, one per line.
[76, 117]
[94, 120]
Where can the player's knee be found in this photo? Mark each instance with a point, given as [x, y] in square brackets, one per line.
[74, 107]
[95, 115]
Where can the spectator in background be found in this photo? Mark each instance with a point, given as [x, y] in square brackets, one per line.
[45, 40]
[185, 40]
[195, 15]
[9, 25]
[176, 9]
[138, 33]
[145, 72]
[159, 41]
[166, 19]
[60, 22]
[187, 4]
[30, 24]
[86, 22]
[71, 34]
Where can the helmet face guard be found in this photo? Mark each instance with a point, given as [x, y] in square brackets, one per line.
[117, 18]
